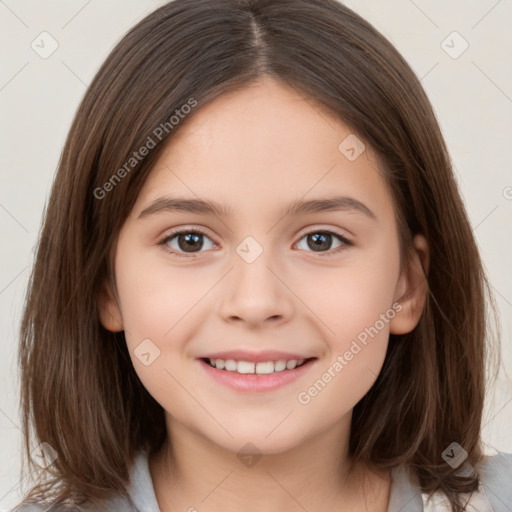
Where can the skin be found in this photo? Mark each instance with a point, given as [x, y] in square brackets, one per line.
[257, 150]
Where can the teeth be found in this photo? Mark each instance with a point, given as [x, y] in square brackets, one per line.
[279, 366]
[245, 367]
[230, 365]
[263, 368]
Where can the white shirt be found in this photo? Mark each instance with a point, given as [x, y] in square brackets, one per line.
[494, 494]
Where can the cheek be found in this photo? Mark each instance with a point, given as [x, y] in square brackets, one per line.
[356, 296]
[156, 298]
[361, 303]
[156, 305]
[355, 305]
[357, 335]
[160, 304]
[357, 315]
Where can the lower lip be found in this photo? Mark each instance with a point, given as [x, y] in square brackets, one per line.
[256, 383]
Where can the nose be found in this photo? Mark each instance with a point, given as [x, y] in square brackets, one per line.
[256, 293]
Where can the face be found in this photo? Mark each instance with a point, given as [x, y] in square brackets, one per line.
[257, 282]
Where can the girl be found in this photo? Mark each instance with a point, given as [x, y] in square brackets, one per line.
[256, 286]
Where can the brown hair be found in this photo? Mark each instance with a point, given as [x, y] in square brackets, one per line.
[80, 392]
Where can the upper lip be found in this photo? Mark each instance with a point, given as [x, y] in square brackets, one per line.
[256, 357]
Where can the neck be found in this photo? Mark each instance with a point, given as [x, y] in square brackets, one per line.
[193, 473]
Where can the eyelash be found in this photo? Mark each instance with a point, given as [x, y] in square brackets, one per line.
[196, 231]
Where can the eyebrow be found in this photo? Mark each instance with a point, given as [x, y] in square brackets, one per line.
[205, 207]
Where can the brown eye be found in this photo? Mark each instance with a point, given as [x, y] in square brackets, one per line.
[185, 241]
[322, 241]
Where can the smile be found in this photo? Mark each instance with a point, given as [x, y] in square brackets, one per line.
[256, 377]
[261, 368]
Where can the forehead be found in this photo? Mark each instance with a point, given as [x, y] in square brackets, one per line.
[266, 144]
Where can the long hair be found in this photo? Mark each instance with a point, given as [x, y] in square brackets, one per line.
[79, 391]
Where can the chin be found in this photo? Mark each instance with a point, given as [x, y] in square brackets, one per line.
[257, 443]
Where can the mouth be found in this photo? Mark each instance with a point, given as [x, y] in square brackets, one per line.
[256, 368]
[256, 377]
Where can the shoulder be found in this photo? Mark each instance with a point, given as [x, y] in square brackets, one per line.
[140, 495]
[44, 507]
[496, 477]
[496, 460]
[494, 489]
[113, 505]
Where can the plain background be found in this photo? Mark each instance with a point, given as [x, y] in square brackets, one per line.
[471, 94]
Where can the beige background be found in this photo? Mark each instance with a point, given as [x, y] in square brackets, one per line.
[472, 95]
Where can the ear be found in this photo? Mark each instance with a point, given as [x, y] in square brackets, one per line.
[109, 311]
[412, 288]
